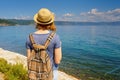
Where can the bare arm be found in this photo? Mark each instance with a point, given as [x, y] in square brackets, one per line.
[58, 55]
[28, 54]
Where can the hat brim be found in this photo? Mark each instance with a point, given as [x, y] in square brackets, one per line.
[43, 23]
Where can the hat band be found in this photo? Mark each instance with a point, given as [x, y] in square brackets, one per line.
[44, 22]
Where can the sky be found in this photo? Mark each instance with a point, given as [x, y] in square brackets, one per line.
[64, 10]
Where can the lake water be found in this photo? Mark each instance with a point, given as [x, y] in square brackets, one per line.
[88, 51]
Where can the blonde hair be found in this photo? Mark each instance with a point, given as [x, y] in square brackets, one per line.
[51, 27]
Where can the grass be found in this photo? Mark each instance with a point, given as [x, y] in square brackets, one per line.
[13, 72]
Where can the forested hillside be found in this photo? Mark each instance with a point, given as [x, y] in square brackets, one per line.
[4, 22]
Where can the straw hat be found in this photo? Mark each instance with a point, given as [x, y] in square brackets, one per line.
[44, 17]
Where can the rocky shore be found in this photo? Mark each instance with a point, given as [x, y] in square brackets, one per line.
[3, 24]
[14, 58]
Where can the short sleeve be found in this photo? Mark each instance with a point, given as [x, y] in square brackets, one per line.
[28, 44]
[57, 41]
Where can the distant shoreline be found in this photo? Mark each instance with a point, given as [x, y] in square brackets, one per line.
[14, 22]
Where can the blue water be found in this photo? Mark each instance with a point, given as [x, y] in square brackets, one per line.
[86, 49]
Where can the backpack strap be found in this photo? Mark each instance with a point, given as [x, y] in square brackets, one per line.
[50, 37]
[31, 39]
[35, 46]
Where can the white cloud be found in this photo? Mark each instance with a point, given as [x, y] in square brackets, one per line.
[93, 11]
[94, 15]
[65, 17]
[68, 15]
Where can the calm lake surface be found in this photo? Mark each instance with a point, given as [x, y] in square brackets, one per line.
[87, 50]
